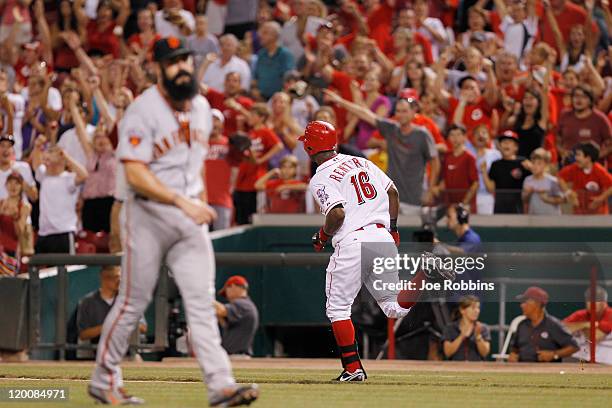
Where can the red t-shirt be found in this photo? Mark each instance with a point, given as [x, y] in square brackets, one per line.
[217, 101]
[285, 202]
[218, 173]
[604, 322]
[379, 22]
[262, 140]
[595, 128]
[458, 174]
[473, 115]
[570, 16]
[389, 49]
[136, 42]
[341, 81]
[588, 186]
[105, 40]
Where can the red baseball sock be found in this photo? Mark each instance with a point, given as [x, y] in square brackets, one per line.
[344, 332]
[408, 298]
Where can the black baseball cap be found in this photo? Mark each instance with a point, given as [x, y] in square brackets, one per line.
[8, 138]
[168, 48]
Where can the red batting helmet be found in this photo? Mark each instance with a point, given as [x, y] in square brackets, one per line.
[319, 136]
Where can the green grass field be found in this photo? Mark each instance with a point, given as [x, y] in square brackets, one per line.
[181, 387]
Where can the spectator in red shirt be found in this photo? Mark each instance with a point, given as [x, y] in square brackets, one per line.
[567, 15]
[103, 33]
[284, 192]
[264, 145]
[218, 174]
[142, 41]
[459, 175]
[583, 124]
[579, 323]
[586, 182]
[232, 103]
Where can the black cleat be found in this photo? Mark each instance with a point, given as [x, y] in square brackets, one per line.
[434, 268]
[357, 376]
[244, 395]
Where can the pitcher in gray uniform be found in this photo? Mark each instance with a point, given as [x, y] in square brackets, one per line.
[162, 143]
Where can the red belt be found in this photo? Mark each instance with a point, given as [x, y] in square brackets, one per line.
[377, 226]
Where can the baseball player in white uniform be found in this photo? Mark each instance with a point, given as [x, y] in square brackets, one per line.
[162, 143]
[361, 205]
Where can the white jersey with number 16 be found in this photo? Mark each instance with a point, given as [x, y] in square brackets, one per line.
[359, 186]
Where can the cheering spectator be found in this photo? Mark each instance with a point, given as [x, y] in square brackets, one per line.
[238, 318]
[506, 175]
[173, 20]
[218, 173]
[467, 339]
[430, 27]
[232, 103]
[459, 175]
[16, 237]
[519, 25]
[214, 70]
[9, 166]
[284, 125]
[284, 192]
[103, 32]
[540, 337]
[264, 145]
[303, 105]
[201, 43]
[485, 156]
[142, 42]
[409, 148]
[297, 27]
[567, 15]
[583, 124]
[579, 323]
[587, 183]
[541, 192]
[58, 197]
[12, 107]
[273, 60]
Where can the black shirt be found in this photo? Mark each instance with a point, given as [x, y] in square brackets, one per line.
[508, 176]
[530, 139]
[549, 335]
[91, 312]
[241, 324]
[468, 351]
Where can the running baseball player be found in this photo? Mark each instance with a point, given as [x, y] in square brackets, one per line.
[163, 138]
[361, 205]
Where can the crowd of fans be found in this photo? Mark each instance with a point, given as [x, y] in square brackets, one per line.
[501, 105]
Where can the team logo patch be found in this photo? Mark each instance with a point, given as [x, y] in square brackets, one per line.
[173, 42]
[476, 114]
[516, 173]
[135, 140]
[322, 195]
[592, 186]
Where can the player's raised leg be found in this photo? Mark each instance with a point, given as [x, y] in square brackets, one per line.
[140, 270]
[192, 263]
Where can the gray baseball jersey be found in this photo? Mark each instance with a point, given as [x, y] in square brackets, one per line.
[155, 233]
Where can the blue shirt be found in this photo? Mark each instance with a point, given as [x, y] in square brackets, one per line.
[269, 70]
[470, 241]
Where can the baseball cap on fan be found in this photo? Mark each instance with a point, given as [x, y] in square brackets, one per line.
[534, 293]
[409, 94]
[168, 48]
[237, 280]
[508, 134]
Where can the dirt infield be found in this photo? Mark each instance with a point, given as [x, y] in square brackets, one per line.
[382, 365]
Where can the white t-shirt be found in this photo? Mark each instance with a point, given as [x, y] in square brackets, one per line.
[514, 35]
[437, 26]
[58, 199]
[215, 74]
[149, 133]
[19, 110]
[22, 168]
[166, 29]
[54, 98]
[356, 183]
[69, 142]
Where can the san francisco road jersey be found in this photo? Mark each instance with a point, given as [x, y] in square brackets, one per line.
[359, 186]
[172, 144]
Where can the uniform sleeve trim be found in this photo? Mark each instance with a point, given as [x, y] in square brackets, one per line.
[331, 206]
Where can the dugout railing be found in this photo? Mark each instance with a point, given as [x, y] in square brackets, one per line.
[594, 264]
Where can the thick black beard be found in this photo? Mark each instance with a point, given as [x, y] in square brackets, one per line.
[180, 92]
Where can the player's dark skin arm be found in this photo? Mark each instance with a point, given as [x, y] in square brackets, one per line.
[394, 203]
[334, 220]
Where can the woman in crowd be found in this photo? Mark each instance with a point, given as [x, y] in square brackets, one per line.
[15, 232]
[467, 339]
